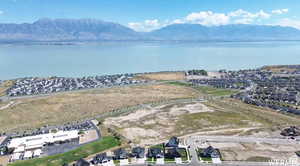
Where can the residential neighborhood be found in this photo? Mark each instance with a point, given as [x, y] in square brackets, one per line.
[278, 91]
[35, 86]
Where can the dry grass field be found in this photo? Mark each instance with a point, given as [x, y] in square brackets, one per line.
[4, 86]
[163, 76]
[279, 68]
[215, 117]
[34, 112]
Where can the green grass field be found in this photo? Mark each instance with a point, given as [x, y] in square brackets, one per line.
[215, 91]
[74, 155]
[206, 90]
[259, 159]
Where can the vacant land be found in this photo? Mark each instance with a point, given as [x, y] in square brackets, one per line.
[257, 152]
[280, 68]
[206, 90]
[65, 107]
[68, 157]
[216, 117]
[4, 86]
[163, 76]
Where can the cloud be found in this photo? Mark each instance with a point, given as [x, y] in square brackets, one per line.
[177, 21]
[280, 11]
[244, 17]
[289, 23]
[147, 25]
[243, 21]
[209, 18]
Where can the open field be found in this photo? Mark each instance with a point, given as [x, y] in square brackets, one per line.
[258, 152]
[4, 86]
[163, 76]
[61, 108]
[280, 68]
[151, 125]
[255, 152]
[206, 90]
[68, 157]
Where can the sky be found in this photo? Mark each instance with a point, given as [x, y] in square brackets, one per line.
[147, 15]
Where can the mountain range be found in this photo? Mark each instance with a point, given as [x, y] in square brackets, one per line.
[64, 30]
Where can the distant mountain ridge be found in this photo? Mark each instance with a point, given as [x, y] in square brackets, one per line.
[61, 30]
[234, 32]
[66, 30]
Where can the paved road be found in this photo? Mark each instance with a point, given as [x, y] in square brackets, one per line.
[193, 153]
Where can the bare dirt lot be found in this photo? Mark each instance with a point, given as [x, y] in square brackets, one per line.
[163, 76]
[65, 107]
[252, 151]
[151, 125]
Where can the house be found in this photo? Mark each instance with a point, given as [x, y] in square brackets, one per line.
[211, 152]
[101, 158]
[291, 131]
[172, 153]
[173, 142]
[120, 154]
[138, 152]
[82, 162]
[155, 153]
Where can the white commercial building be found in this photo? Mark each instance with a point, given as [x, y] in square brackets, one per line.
[38, 141]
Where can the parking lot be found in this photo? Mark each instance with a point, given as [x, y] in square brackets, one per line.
[60, 148]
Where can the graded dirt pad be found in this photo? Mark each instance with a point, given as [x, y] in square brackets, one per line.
[150, 125]
[68, 107]
[154, 123]
[163, 76]
[250, 151]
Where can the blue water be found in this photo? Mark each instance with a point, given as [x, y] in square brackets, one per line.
[110, 58]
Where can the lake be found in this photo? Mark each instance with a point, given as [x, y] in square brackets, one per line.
[111, 58]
